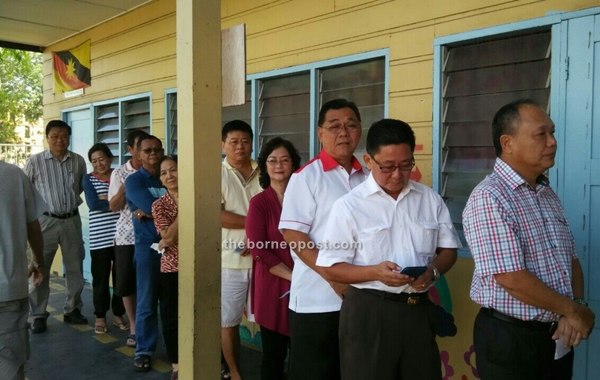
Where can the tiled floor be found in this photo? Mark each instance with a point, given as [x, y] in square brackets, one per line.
[68, 351]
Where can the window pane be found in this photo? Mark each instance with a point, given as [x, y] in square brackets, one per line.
[284, 110]
[522, 76]
[107, 129]
[115, 120]
[171, 147]
[503, 51]
[362, 83]
[469, 133]
[478, 79]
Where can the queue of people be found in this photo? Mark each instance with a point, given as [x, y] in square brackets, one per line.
[331, 259]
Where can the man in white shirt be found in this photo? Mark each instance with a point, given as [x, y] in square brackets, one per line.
[239, 183]
[387, 322]
[314, 304]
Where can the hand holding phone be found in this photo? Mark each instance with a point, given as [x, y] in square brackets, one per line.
[414, 272]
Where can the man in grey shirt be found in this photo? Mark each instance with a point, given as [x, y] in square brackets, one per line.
[20, 207]
[56, 173]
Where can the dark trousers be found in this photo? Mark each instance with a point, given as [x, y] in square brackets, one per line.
[102, 265]
[168, 295]
[382, 338]
[315, 352]
[505, 351]
[275, 348]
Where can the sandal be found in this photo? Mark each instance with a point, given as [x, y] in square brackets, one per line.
[142, 363]
[100, 329]
[122, 325]
[131, 341]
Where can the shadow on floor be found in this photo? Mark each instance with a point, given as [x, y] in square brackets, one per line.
[68, 351]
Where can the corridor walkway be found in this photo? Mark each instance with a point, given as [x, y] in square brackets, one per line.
[68, 351]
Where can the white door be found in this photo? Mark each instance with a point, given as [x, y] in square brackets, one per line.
[82, 139]
[581, 196]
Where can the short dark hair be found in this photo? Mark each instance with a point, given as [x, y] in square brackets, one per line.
[147, 137]
[57, 124]
[506, 120]
[236, 125]
[131, 136]
[267, 149]
[337, 104]
[100, 147]
[389, 132]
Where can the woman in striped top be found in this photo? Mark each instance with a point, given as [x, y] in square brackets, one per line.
[102, 234]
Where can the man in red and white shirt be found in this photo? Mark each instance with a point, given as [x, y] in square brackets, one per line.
[314, 304]
[527, 277]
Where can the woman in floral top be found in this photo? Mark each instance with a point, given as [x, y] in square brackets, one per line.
[164, 211]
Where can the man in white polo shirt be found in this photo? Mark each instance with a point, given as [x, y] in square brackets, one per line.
[389, 223]
[314, 304]
[239, 183]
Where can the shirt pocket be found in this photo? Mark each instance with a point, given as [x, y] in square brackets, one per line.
[424, 237]
[375, 243]
[561, 237]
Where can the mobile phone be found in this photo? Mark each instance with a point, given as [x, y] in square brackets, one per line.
[414, 272]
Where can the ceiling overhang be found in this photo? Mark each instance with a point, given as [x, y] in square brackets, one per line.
[35, 24]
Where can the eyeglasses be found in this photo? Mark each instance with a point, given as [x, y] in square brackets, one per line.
[150, 150]
[58, 137]
[335, 129]
[238, 142]
[390, 169]
[283, 161]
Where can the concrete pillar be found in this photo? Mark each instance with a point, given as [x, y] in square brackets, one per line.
[199, 136]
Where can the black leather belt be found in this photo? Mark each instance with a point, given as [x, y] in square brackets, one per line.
[407, 298]
[532, 325]
[63, 216]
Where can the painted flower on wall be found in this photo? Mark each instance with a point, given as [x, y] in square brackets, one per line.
[448, 369]
[470, 360]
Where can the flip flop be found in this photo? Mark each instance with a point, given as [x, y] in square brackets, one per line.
[131, 341]
[101, 329]
[122, 325]
[142, 363]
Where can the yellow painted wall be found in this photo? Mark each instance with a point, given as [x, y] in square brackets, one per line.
[135, 53]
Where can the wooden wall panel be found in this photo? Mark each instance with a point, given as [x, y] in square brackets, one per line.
[411, 75]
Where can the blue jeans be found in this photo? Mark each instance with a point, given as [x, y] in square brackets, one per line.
[147, 268]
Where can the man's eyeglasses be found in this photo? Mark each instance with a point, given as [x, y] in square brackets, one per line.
[58, 137]
[150, 150]
[390, 169]
[283, 161]
[335, 129]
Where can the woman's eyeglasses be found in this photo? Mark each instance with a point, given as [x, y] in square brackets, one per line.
[283, 161]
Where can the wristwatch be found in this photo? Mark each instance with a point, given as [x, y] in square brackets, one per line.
[36, 265]
[436, 272]
[581, 301]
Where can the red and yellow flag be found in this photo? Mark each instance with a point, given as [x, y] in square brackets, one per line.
[72, 68]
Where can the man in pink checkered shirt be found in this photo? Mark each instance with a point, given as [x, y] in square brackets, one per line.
[527, 277]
